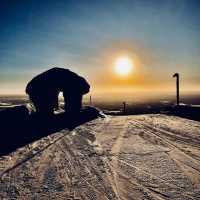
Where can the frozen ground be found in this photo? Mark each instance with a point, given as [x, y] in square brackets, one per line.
[121, 157]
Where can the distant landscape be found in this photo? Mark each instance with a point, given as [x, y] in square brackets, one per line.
[133, 105]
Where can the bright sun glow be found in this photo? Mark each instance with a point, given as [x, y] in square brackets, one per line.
[123, 66]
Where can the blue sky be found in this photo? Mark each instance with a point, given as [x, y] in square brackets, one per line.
[86, 35]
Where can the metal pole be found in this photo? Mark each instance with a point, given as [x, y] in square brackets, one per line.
[90, 99]
[124, 107]
[177, 88]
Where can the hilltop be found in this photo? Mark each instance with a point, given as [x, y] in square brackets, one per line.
[119, 157]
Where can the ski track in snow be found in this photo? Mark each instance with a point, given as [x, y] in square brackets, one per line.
[122, 157]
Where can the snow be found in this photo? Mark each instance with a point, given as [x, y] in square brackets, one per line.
[117, 157]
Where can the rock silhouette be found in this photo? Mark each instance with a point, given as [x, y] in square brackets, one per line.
[43, 90]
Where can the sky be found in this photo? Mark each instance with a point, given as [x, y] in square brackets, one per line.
[161, 37]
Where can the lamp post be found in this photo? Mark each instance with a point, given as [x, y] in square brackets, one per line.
[176, 75]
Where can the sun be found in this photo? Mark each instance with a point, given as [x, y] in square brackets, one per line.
[123, 66]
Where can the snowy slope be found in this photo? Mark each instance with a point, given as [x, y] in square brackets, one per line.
[121, 157]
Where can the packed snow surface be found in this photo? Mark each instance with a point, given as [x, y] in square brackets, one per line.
[120, 157]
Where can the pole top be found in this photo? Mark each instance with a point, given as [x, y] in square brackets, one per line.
[176, 75]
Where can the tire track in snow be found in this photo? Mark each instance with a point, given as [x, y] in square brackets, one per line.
[158, 132]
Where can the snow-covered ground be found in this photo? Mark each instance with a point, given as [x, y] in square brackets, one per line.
[119, 157]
